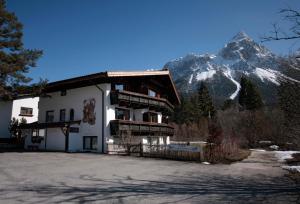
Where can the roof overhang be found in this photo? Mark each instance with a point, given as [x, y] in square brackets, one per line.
[108, 77]
[164, 72]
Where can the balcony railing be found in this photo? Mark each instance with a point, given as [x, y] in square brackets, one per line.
[137, 100]
[137, 128]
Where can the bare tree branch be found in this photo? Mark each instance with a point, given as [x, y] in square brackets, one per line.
[276, 34]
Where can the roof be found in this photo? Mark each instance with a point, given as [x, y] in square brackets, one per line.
[108, 77]
[138, 73]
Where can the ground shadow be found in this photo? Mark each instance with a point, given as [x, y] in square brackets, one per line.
[172, 189]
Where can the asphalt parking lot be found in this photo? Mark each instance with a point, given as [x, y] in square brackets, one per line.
[95, 178]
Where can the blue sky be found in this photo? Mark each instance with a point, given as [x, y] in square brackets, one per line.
[80, 37]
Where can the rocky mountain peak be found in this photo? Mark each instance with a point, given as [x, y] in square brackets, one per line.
[222, 72]
[241, 36]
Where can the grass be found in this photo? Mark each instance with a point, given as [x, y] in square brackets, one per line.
[239, 156]
[228, 158]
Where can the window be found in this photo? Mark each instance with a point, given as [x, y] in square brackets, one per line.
[49, 116]
[63, 93]
[26, 111]
[42, 132]
[37, 135]
[150, 117]
[62, 115]
[71, 114]
[119, 87]
[151, 93]
[34, 133]
[122, 114]
[90, 142]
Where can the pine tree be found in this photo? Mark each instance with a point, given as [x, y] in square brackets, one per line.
[254, 100]
[184, 113]
[249, 96]
[204, 104]
[15, 60]
[242, 92]
[229, 103]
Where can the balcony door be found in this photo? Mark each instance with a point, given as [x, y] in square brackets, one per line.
[150, 117]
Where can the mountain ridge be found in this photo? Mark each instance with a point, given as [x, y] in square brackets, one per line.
[222, 71]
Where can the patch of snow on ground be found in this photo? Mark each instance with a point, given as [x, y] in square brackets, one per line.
[292, 168]
[205, 75]
[205, 163]
[227, 73]
[191, 78]
[274, 147]
[267, 74]
[283, 155]
[258, 150]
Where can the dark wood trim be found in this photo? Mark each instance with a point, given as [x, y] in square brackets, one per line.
[37, 125]
[134, 99]
[139, 128]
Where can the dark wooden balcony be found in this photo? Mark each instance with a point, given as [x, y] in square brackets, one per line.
[137, 100]
[138, 128]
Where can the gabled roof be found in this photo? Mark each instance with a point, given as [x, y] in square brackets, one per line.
[108, 77]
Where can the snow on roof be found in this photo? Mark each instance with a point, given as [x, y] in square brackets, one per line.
[138, 73]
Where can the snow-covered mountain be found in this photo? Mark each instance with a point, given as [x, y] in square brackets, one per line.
[222, 71]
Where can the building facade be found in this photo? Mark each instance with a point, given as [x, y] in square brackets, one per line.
[87, 113]
[23, 108]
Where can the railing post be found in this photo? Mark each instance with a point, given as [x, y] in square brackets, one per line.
[141, 149]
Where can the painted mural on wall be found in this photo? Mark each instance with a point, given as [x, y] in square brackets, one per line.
[89, 115]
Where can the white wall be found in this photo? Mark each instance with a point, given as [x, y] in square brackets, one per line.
[5, 116]
[55, 139]
[11, 109]
[28, 103]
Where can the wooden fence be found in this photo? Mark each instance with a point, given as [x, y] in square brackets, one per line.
[157, 151]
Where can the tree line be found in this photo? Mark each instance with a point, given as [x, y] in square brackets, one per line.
[246, 118]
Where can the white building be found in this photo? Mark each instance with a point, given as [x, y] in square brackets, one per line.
[23, 108]
[86, 113]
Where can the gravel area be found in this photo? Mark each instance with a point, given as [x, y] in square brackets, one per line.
[95, 178]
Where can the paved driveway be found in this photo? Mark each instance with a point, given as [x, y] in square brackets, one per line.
[79, 178]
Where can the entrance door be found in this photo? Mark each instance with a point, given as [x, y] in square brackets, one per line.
[90, 143]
